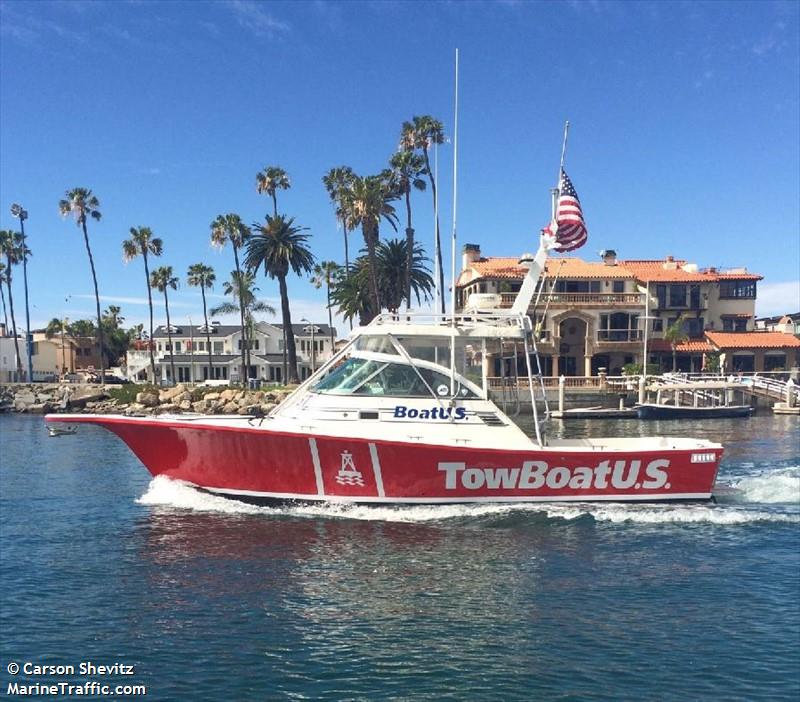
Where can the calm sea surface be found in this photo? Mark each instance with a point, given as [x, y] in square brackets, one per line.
[209, 599]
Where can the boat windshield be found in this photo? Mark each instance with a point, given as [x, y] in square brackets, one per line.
[368, 374]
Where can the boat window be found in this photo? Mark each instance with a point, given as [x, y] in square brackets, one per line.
[348, 376]
[359, 376]
[437, 350]
[375, 344]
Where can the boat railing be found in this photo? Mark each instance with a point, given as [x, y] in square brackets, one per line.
[494, 318]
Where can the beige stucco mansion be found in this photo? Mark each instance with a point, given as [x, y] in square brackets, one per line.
[592, 315]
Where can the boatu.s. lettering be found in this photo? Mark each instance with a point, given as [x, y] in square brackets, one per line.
[534, 475]
[401, 412]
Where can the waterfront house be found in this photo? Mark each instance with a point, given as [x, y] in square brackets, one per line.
[786, 323]
[594, 314]
[8, 357]
[190, 352]
[64, 353]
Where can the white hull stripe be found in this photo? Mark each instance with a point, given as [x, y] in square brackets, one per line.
[376, 468]
[638, 497]
[312, 443]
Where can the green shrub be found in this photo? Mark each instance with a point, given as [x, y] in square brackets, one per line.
[125, 394]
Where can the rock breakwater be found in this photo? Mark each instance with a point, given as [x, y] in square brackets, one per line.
[40, 398]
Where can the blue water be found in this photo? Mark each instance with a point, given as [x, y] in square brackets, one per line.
[213, 600]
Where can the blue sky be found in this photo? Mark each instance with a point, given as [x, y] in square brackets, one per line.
[685, 136]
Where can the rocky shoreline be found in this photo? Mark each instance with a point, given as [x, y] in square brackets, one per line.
[41, 398]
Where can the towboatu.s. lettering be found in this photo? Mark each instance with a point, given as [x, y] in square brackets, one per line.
[534, 475]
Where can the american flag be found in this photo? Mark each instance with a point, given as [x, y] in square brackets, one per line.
[572, 232]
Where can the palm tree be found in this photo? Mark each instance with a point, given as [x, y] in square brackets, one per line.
[279, 246]
[162, 279]
[57, 327]
[407, 171]
[230, 228]
[325, 274]
[339, 182]
[54, 327]
[242, 288]
[82, 204]
[421, 133]
[143, 243]
[392, 257]
[202, 276]
[11, 248]
[2, 294]
[269, 181]
[351, 296]
[675, 335]
[114, 316]
[367, 204]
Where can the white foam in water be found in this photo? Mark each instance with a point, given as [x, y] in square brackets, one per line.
[669, 514]
[779, 484]
[173, 493]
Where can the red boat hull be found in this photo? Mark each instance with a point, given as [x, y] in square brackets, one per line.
[260, 464]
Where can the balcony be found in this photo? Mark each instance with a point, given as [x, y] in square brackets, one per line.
[619, 336]
[581, 299]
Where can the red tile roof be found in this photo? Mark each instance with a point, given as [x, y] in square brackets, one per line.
[752, 340]
[655, 272]
[738, 276]
[502, 267]
[571, 268]
[688, 346]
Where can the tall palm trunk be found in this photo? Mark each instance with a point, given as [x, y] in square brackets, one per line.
[369, 238]
[274, 204]
[346, 251]
[13, 320]
[287, 325]
[97, 302]
[438, 239]
[330, 312]
[410, 247]
[208, 334]
[245, 350]
[346, 260]
[5, 315]
[150, 305]
[169, 336]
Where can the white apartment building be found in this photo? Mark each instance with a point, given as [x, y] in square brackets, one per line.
[190, 352]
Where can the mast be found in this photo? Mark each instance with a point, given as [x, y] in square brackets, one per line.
[438, 282]
[646, 325]
[455, 201]
[453, 243]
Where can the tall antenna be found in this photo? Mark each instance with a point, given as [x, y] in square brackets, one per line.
[455, 202]
[437, 282]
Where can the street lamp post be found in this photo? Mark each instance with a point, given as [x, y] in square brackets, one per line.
[22, 214]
